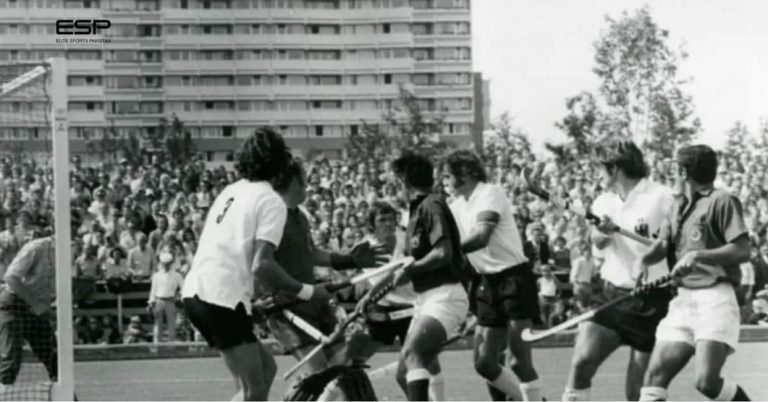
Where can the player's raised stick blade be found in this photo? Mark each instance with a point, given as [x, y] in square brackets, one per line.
[534, 187]
[530, 335]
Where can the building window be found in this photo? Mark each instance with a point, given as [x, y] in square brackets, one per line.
[318, 131]
[230, 156]
[354, 130]
[387, 78]
[386, 28]
[226, 131]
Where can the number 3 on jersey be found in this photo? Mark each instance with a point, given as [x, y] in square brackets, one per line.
[226, 207]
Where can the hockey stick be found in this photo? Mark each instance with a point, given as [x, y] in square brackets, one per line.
[529, 335]
[567, 204]
[335, 287]
[391, 367]
[339, 332]
[380, 271]
[300, 323]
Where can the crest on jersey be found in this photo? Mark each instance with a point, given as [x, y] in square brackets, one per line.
[415, 242]
[696, 234]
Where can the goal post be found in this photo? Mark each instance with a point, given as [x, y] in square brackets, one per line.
[63, 389]
[33, 100]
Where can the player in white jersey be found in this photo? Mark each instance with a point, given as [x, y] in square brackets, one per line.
[631, 201]
[236, 249]
[704, 226]
[506, 299]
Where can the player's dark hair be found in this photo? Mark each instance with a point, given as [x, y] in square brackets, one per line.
[465, 163]
[293, 169]
[264, 156]
[379, 208]
[623, 154]
[415, 169]
[699, 162]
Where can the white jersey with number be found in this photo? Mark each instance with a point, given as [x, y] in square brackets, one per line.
[646, 203]
[505, 247]
[241, 214]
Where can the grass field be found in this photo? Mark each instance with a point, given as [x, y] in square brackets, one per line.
[207, 378]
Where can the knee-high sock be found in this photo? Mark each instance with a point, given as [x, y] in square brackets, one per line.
[496, 395]
[653, 394]
[731, 392]
[418, 384]
[571, 394]
[436, 387]
[531, 390]
[507, 383]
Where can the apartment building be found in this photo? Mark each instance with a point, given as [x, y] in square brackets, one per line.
[312, 68]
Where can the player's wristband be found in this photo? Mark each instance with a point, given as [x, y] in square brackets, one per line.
[342, 261]
[306, 292]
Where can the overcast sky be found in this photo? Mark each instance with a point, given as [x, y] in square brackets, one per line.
[538, 52]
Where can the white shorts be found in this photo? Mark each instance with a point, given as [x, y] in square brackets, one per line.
[702, 314]
[448, 304]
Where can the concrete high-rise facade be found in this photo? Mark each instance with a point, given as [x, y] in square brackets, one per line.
[312, 68]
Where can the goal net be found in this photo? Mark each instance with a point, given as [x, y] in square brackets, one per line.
[36, 360]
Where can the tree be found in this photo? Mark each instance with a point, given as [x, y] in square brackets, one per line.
[513, 137]
[405, 125]
[738, 137]
[179, 147]
[639, 83]
[581, 124]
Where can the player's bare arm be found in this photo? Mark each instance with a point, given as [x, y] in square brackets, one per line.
[440, 255]
[362, 255]
[266, 269]
[731, 254]
[481, 235]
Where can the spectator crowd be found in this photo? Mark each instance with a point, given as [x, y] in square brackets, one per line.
[134, 214]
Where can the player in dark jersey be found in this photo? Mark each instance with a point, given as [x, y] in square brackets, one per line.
[441, 304]
[298, 256]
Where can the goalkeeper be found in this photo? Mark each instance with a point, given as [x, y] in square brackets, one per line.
[25, 306]
[298, 257]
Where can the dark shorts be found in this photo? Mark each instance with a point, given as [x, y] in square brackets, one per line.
[222, 327]
[318, 314]
[384, 329]
[634, 320]
[509, 295]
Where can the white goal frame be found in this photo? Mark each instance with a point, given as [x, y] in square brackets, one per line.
[64, 388]
[56, 70]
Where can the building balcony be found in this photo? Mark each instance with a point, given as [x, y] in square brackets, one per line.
[225, 66]
[391, 65]
[224, 116]
[442, 14]
[204, 16]
[85, 116]
[49, 15]
[445, 91]
[131, 13]
[442, 40]
[443, 66]
[85, 92]
[286, 14]
[21, 40]
[85, 67]
[202, 92]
